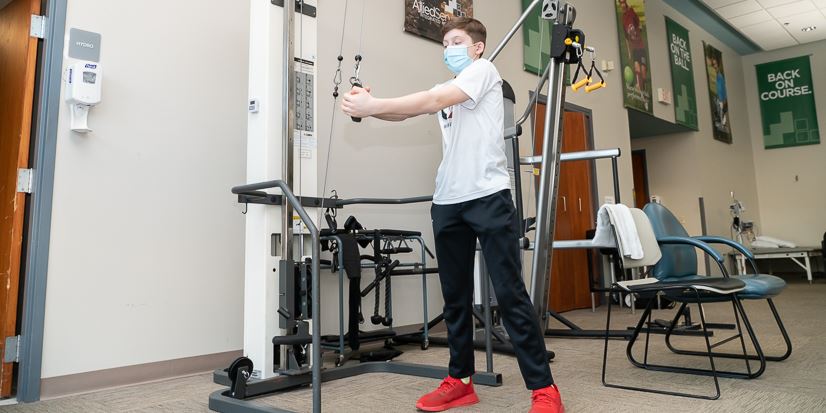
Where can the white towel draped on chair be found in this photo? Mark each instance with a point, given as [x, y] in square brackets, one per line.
[620, 217]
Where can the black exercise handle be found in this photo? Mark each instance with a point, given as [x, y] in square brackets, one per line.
[356, 84]
[293, 340]
[381, 275]
[376, 319]
[388, 303]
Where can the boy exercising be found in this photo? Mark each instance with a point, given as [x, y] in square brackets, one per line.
[472, 200]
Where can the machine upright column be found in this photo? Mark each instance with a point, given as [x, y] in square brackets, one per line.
[549, 180]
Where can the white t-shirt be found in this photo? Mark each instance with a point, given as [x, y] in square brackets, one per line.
[473, 145]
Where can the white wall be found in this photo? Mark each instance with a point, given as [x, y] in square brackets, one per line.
[685, 166]
[146, 255]
[378, 158]
[147, 243]
[790, 208]
[375, 158]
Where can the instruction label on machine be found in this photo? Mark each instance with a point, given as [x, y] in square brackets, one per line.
[305, 120]
[306, 143]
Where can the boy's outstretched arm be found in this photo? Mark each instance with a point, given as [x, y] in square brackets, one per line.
[360, 103]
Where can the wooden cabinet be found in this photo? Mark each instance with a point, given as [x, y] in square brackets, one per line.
[569, 286]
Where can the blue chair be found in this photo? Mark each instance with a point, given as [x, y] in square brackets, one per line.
[684, 290]
[680, 262]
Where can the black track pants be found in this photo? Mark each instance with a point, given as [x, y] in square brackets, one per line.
[491, 219]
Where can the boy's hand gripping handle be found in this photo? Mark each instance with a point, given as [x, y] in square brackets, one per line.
[356, 83]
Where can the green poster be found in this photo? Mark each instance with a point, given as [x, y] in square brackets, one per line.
[682, 75]
[536, 45]
[787, 103]
[537, 41]
[633, 40]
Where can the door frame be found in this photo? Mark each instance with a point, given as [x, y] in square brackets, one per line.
[644, 155]
[38, 229]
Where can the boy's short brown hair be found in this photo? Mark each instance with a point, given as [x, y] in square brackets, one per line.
[474, 28]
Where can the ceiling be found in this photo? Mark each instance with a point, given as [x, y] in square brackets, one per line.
[774, 24]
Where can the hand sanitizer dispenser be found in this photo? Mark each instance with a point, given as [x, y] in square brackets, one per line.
[83, 91]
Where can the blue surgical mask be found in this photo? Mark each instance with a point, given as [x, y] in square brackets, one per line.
[456, 58]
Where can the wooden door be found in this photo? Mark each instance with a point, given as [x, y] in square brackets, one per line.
[640, 168]
[569, 286]
[18, 56]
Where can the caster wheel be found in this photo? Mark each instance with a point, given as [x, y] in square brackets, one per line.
[238, 386]
[425, 345]
[236, 365]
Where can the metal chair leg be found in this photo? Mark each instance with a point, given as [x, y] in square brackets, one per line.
[629, 350]
[740, 335]
[728, 374]
[780, 326]
[783, 333]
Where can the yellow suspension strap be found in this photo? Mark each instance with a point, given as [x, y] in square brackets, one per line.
[592, 86]
[576, 43]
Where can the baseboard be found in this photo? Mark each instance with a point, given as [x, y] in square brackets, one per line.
[121, 376]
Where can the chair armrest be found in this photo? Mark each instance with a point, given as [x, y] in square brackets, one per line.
[736, 245]
[720, 240]
[693, 242]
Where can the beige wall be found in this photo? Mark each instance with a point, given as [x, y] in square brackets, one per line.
[147, 244]
[685, 166]
[790, 180]
[146, 255]
[377, 158]
[776, 186]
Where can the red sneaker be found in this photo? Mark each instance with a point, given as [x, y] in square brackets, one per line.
[547, 400]
[451, 393]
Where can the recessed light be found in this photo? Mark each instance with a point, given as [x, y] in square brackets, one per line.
[808, 28]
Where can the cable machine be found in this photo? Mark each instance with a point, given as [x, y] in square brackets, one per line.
[299, 323]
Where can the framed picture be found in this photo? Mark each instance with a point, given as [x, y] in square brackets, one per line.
[426, 18]
[634, 60]
[717, 93]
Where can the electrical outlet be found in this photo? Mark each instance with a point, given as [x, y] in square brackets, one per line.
[610, 199]
[664, 96]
